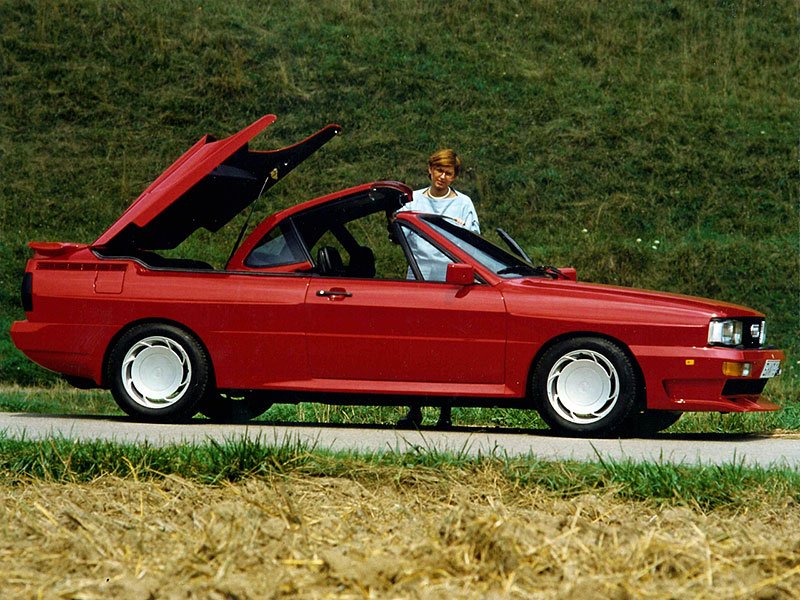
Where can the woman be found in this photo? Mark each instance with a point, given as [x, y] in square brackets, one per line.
[444, 167]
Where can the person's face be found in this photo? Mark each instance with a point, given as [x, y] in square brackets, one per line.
[442, 176]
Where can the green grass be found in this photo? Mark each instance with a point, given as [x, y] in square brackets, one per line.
[729, 486]
[60, 399]
[631, 120]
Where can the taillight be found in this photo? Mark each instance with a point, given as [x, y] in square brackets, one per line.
[27, 292]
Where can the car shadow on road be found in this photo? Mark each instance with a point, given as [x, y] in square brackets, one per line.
[468, 429]
[484, 429]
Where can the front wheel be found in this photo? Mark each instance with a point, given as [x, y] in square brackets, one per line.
[649, 422]
[158, 372]
[585, 386]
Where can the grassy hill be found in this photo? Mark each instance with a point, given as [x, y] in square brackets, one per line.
[646, 143]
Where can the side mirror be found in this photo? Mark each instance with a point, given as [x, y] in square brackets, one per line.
[460, 274]
[569, 273]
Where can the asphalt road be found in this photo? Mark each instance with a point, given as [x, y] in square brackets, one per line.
[694, 449]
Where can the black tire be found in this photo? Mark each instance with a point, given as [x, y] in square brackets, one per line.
[649, 422]
[158, 372]
[228, 408]
[585, 386]
[412, 420]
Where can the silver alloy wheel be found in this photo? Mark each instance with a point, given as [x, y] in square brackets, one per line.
[156, 372]
[583, 386]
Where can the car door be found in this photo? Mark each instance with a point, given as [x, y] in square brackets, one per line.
[400, 332]
[254, 328]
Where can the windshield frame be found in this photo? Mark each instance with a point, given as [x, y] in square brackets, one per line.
[485, 253]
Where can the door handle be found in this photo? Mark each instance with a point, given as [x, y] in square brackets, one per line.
[333, 293]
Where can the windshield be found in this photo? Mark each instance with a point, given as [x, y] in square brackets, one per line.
[492, 257]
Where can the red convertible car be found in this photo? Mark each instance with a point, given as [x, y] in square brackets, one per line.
[326, 300]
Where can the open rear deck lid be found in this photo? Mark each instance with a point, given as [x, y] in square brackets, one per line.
[206, 187]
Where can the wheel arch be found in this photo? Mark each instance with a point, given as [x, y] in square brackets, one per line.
[153, 321]
[641, 399]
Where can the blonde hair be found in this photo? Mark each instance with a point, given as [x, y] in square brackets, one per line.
[445, 158]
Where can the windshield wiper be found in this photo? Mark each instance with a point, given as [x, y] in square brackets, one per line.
[537, 271]
[521, 270]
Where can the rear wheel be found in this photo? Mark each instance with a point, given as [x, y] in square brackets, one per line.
[158, 372]
[229, 408]
[585, 386]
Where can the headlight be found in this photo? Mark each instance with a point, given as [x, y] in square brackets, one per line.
[725, 332]
[745, 332]
[762, 335]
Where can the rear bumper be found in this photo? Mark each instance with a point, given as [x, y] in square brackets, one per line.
[64, 348]
[691, 379]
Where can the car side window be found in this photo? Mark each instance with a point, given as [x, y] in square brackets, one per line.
[431, 261]
[361, 239]
[362, 246]
[278, 247]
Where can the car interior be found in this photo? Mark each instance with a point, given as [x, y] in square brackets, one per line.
[344, 237]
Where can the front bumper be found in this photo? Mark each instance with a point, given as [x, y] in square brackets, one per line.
[692, 379]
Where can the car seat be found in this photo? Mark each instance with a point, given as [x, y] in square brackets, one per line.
[329, 261]
[362, 263]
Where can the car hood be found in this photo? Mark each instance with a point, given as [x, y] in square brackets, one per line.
[206, 187]
[624, 304]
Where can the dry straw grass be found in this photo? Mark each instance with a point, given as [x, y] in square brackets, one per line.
[408, 534]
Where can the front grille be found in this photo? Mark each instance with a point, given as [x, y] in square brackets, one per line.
[744, 387]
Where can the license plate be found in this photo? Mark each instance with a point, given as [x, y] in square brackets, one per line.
[771, 368]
